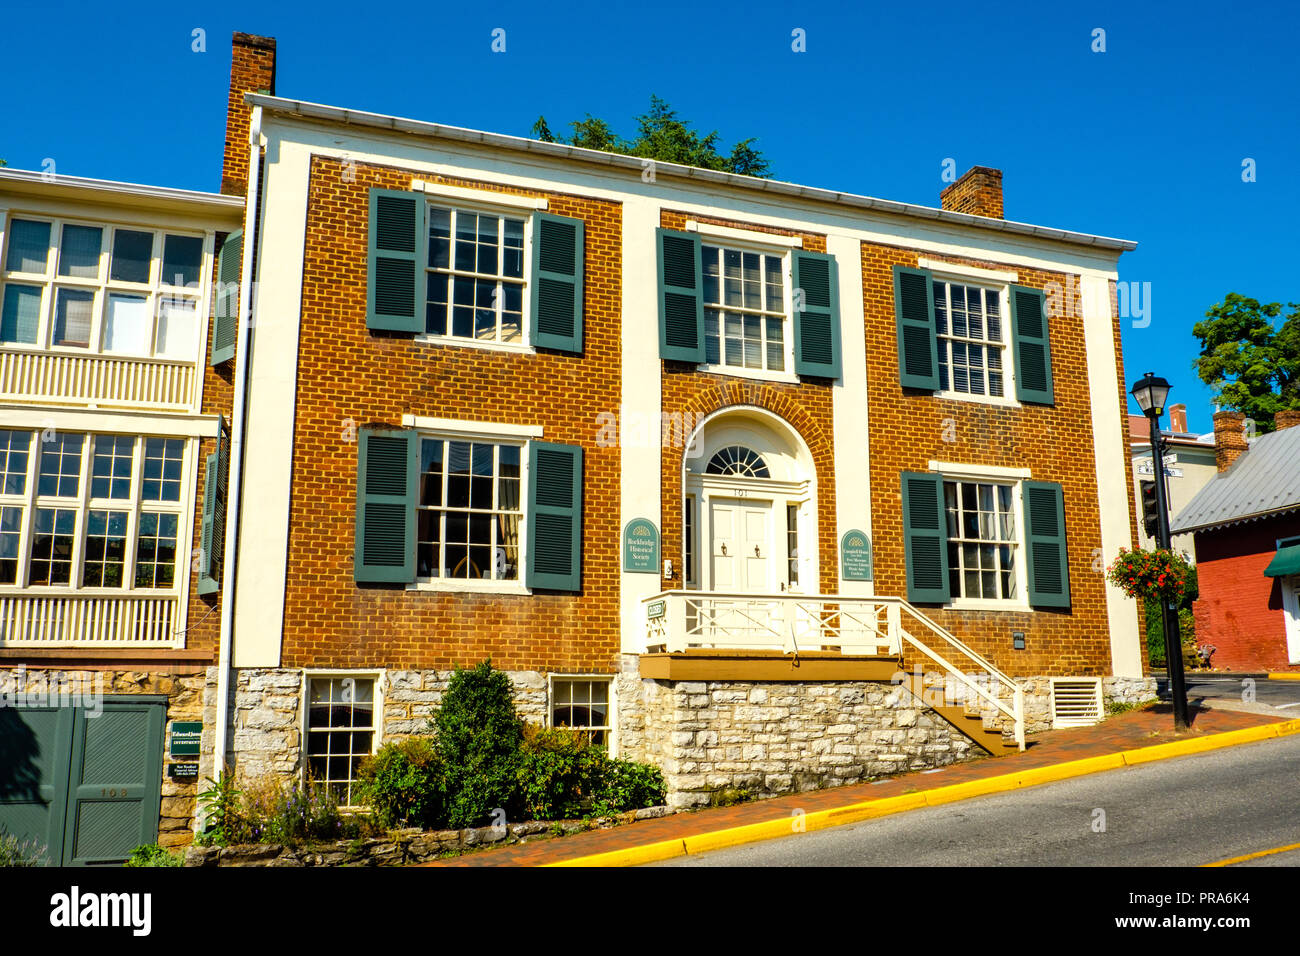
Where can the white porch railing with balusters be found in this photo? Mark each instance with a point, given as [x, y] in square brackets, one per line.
[678, 621]
[113, 380]
[29, 620]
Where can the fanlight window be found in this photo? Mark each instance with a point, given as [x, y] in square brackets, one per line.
[738, 460]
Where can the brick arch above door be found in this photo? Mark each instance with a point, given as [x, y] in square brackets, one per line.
[803, 409]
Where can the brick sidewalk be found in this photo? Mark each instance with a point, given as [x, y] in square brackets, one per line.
[1124, 732]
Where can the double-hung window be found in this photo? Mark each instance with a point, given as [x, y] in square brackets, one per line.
[475, 275]
[469, 510]
[95, 511]
[745, 309]
[982, 540]
[104, 288]
[583, 704]
[969, 327]
[340, 731]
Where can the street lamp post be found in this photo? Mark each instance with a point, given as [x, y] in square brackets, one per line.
[1150, 393]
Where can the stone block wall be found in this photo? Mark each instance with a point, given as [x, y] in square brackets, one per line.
[770, 738]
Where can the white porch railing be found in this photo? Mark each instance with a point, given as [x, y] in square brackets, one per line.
[88, 621]
[678, 621]
[58, 377]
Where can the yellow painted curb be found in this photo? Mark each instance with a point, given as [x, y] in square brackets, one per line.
[871, 809]
[1285, 675]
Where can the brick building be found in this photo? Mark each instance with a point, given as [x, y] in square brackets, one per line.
[1246, 526]
[109, 414]
[699, 459]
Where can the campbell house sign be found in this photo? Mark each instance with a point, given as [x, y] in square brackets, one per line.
[855, 556]
[641, 547]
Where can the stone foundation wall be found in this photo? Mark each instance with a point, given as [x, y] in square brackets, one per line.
[267, 713]
[774, 738]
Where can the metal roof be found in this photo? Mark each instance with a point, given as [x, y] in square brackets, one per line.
[1262, 482]
[334, 114]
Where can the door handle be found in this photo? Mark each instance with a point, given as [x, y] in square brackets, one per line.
[724, 550]
[756, 554]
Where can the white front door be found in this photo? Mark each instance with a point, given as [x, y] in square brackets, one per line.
[741, 545]
[1291, 609]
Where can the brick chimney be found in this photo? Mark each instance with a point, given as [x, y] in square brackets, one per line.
[252, 70]
[1287, 418]
[1178, 419]
[978, 193]
[1229, 440]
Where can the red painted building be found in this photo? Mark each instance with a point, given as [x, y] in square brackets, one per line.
[1246, 524]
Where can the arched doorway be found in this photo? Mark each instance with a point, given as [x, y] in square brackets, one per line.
[749, 506]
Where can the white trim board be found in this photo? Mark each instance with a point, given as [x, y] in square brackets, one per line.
[476, 429]
[483, 196]
[102, 420]
[978, 471]
[969, 272]
[743, 235]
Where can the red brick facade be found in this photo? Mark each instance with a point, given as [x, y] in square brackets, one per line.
[909, 429]
[348, 374]
[1240, 610]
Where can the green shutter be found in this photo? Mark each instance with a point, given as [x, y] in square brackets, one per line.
[817, 324]
[387, 483]
[681, 301]
[395, 270]
[1030, 342]
[225, 312]
[212, 541]
[1049, 572]
[554, 516]
[918, 347]
[557, 282]
[925, 538]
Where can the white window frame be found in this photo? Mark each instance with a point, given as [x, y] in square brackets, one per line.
[482, 432]
[478, 206]
[377, 731]
[82, 503]
[156, 291]
[611, 730]
[991, 282]
[742, 244]
[990, 474]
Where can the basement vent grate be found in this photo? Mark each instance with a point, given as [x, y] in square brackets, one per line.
[1076, 701]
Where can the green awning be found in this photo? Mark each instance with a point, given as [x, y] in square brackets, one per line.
[1286, 561]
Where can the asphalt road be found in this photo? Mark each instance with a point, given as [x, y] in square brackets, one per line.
[1283, 695]
[1187, 811]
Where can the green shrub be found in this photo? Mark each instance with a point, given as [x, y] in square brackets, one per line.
[405, 783]
[628, 785]
[560, 773]
[479, 738]
[16, 852]
[151, 854]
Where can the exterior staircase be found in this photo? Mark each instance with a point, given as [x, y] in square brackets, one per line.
[928, 691]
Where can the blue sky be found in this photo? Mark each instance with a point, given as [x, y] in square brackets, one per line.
[1144, 141]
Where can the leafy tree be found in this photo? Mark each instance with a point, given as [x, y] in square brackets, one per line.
[1252, 365]
[663, 135]
[479, 738]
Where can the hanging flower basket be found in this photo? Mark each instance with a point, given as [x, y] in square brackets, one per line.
[1159, 574]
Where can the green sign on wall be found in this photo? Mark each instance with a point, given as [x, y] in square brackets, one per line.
[641, 547]
[185, 738]
[855, 556]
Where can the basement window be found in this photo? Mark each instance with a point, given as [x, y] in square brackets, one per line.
[340, 732]
[582, 703]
